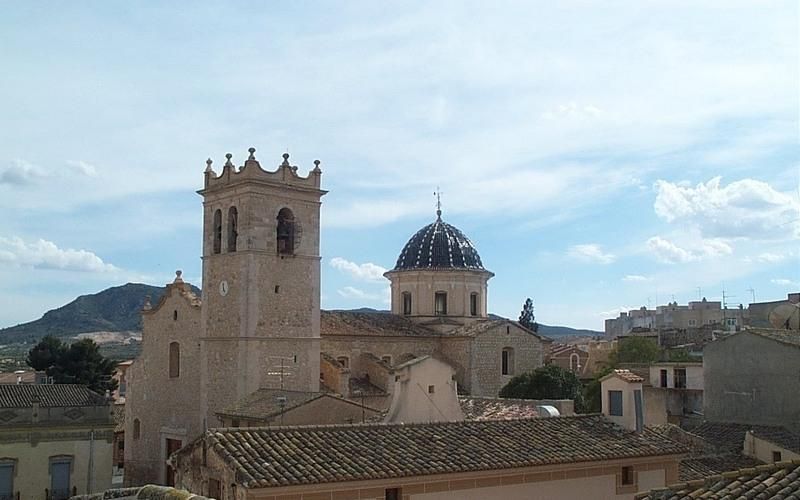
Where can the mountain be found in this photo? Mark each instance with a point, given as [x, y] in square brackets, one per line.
[565, 331]
[115, 309]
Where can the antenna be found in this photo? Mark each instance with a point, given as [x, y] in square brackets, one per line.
[438, 195]
[699, 293]
[280, 370]
[753, 293]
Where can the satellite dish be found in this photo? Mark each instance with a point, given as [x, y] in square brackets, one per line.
[785, 317]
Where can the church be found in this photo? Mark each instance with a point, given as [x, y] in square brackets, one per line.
[258, 324]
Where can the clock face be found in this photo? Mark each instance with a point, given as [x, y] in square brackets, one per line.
[223, 288]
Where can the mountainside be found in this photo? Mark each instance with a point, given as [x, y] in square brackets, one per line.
[115, 309]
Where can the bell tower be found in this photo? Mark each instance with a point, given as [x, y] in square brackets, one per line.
[261, 280]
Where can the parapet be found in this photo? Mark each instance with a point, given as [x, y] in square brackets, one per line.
[285, 174]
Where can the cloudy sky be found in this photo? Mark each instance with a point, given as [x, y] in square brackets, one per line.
[600, 155]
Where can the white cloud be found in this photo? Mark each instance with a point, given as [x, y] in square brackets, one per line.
[785, 282]
[590, 252]
[367, 271]
[351, 292]
[742, 209]
[82, 167]
[671, 253]
[771, 258]
[43, 254]
[614, 312]
[20, 172]
[635, 278]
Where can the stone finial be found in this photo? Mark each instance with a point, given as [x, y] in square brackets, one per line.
[285, 160]
[208, 165]
[252, 152]
[178, 278]
[316, 164]
[228, 163]
[147, 305]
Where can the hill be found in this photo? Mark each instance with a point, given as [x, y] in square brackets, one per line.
[115, 309]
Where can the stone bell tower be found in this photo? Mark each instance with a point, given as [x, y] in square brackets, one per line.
[261, 281]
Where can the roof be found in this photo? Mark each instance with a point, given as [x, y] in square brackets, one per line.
[48, 395]
[497, 408]
[791, 337]
[263, 403]
[475, 328]
[626, 375]
[730, 436]
[372, 324]
[284, 456]
[780, 480]
[146, 492]
[118, 416]
[23, 376]
[439, 246]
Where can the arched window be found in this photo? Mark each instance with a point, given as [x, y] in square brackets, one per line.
[137, 428]
[218, 231]
[174, 360]
[574, 362]
[406, 303]
[440, 303]
[473, 304]
[507, 361]
[285, 231]
[233, 228]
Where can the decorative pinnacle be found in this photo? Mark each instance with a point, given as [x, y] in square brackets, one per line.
[228, 163]
[252, 154]
[285, 160]
[208, 165]
[316, 163]
[438, 194]
[178, 278]
[147, 305]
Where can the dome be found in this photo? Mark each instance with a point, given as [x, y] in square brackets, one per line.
[439, 246]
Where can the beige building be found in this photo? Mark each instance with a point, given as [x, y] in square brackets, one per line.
[55, 441]
[695, 315]
[622, 400]
[545, 458]
[259, 324]
[424, 391]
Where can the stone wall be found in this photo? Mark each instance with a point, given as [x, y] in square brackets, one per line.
[486, 363]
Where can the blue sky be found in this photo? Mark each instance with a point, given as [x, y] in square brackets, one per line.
[601, 156]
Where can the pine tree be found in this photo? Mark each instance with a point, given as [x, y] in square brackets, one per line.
[526, 317]
[78, 363]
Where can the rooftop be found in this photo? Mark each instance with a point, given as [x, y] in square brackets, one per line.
[48, 395]
[264, 404]
[791, 337]
[776, 481]
[497, 408]
[283, 456]
[730, 436]
[439, 246]
[626, 375]
[372, 324]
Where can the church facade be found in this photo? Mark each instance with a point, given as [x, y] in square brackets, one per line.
[258, 324]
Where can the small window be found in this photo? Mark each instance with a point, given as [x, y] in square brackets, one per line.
[6, 479]
[233, 228]
[175, 315]
[218, 231]
[344, 361]
[174, 360]
[440, 305]
[680, 378]
[393, 494]
[473, 304]
[628, 477]
[235, 423]
[137, 428]
[406, 303]
[507, 361]
[277, 289]
[615, 403]
[285, 232]
[387, 359]
[214, 488]
[776, 456]
[431, 389]
[663, 378]
[692, 322]
[574, 362]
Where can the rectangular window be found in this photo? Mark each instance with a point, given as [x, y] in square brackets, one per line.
[615, 403]
[60, 478]
[692, 322]
[406, 303]
[214, 489]
[776, 456]
[441, 303]
[7, 480]
[506, 362]
[663, 378]
[680, 378]
[627, 478]
[393, 494]
[473, 304]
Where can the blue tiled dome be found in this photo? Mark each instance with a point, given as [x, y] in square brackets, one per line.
[439, 246]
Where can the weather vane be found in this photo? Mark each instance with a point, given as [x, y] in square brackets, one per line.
[438, 195]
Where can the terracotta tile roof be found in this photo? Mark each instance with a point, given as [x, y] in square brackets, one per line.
[48, 395]
[780, 436]
[264, 404]
[371, 324]
[791, 337]
[778, 481]
[625, 375]
[282, 456]
[730, 436]
[497, 408]
[476, 328]
[701, 467]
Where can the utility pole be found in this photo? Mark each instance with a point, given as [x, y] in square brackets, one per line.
[753, 293]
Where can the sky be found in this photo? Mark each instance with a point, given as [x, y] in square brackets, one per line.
[601, 156]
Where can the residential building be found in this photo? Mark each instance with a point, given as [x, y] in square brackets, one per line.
[676, 389]
[55, 441]
[547, 458]
[779, 314]
[694, 315]
[621, 396]
[751, 377]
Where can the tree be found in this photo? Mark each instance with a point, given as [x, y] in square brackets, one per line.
[526, 317]
[591, 392]
[546, 382]
[77, 363]
[635, 350]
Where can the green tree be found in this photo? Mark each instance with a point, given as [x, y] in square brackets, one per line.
[77, 363]
[635, 350]
[592, 394]
[546, 382]
[526, 317]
